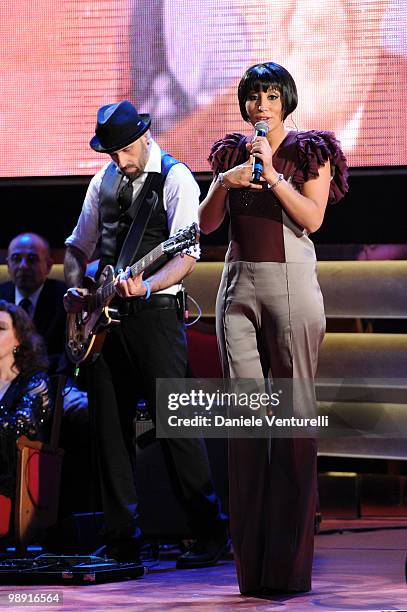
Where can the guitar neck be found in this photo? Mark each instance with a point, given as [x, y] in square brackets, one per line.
[147, 261]
[105, 292]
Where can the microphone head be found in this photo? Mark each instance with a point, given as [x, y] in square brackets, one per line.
[262, 126]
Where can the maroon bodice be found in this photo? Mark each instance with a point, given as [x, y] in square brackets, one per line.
[260, 228]
[256, 217]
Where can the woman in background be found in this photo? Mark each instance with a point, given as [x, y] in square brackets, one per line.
[24, 388]
[270, 318]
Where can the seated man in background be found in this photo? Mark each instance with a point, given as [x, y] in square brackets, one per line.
[29, 264]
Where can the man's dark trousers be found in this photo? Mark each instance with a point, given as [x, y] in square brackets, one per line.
[149, 343]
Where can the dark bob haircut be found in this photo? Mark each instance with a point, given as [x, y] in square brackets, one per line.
[262, 76]
[30, 356]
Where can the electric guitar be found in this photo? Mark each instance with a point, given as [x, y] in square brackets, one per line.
[86, 330]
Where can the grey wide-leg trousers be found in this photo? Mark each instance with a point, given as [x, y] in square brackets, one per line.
[270, 322]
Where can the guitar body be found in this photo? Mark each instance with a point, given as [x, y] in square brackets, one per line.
[86, 331]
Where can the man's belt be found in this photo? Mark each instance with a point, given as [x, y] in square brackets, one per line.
[131, 306]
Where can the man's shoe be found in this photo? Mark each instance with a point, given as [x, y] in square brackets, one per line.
[203, 553]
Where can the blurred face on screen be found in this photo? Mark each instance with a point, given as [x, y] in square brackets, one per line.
[330, 48]
[133, 159]
[348, 59]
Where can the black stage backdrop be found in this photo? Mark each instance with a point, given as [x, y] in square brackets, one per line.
[373, 212]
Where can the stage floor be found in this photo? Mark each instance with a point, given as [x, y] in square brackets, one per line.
[353, 570]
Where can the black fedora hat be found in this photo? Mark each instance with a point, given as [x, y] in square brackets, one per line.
[118, 125]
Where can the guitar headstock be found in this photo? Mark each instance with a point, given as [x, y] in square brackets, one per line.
[183, 239]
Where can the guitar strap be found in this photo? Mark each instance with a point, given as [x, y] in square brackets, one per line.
[144, 206]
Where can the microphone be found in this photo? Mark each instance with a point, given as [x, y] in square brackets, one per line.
[260, 129]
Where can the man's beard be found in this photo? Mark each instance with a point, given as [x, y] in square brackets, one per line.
[132, 174]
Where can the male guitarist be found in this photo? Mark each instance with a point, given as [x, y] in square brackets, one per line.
[141, 182]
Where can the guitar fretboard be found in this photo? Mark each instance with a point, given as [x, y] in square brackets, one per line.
[106, 291]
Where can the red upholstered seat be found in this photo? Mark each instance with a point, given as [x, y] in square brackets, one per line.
[5, 513]
[203, 353]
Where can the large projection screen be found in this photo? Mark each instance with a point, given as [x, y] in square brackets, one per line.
[181, 62]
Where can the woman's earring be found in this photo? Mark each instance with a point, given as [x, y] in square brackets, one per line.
[15, 350]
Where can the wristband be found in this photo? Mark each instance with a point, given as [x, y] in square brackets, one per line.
[147, 285]
[221, 178]
[279, 179]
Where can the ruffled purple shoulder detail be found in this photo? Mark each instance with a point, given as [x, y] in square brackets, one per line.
[314, 149]
[228, 152]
